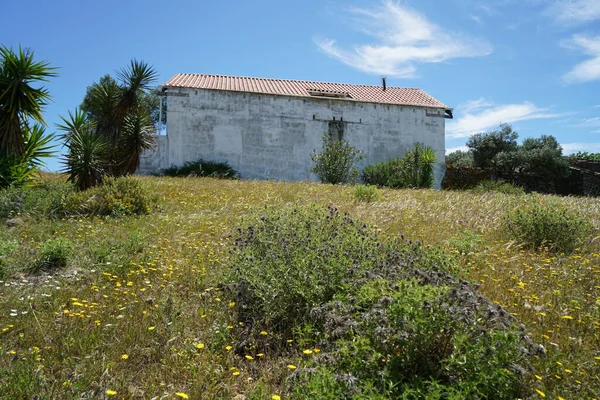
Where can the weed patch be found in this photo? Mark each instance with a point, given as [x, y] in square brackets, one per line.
[54, 254]
[366, 193]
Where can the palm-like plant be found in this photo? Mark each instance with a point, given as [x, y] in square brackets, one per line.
[137, 135]
[19, 100]
[86, 160]
[134, 80]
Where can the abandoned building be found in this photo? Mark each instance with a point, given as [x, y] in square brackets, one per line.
[268, 128]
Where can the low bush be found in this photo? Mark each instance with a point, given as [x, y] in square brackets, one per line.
[413, 170]
[114, 197]
[202, 168]
[40, 200]
[388, 317]
[54, 254]
[545, 222]
[335, 163]
[467, 241]
[291, 260]
[489, 185]
[384, 174]
[366, 193]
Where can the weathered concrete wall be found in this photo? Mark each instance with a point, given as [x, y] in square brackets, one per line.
[272, 137]
[154, 161]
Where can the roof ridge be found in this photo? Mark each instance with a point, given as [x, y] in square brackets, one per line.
[301, 80]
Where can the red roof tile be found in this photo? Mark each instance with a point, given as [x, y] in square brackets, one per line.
[362, 93]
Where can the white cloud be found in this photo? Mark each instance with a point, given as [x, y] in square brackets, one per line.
[573, 12]
[457, 148]
[477, 19]
[570, 148]
[588, 70]
[404, 38]
[480, 116]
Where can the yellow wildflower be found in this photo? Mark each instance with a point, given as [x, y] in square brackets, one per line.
[124, 356]
[182, 395]
[540, 392]
[110, 392]
[200, 346]
[292, 367]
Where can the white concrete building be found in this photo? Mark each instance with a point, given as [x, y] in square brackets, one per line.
[268, 128]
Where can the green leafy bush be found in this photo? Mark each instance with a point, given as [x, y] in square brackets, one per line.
[414, 170]
[366, 193]
[385, 174]
[489, 185]
[203, 168]
[335, 163]
[548, 223]
[54, 254]
[115, 197]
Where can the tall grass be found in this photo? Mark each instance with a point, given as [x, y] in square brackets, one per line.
[146, 287]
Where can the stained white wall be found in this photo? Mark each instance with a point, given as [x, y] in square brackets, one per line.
[271, 137]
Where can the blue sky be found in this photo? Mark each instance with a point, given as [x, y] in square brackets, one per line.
[532, 63]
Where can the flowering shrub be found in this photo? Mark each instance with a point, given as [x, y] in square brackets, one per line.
[386, 316]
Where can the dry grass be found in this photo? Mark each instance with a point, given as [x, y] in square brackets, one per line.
[145, 287]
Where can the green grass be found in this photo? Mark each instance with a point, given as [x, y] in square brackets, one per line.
[147, 287]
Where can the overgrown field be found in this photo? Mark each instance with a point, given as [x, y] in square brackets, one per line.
[145, 306]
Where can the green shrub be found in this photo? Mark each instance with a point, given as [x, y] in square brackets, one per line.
[335, 163]
[366, 193]
[54, 254]
[40, 200]
[489, 185]
[294, 259]
[388, 318]
[414, 170]
[425, 337]
[384, 174]
[548, 223]
[202, 168]
[114, 197]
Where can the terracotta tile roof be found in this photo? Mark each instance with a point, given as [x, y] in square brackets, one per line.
[362, 93]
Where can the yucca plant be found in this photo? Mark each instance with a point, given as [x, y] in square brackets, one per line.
[23, 141]
[117, 112]
[417, 169]
[137, 135]
[87, 157]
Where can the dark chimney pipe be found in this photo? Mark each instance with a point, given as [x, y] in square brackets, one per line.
[383, 81]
